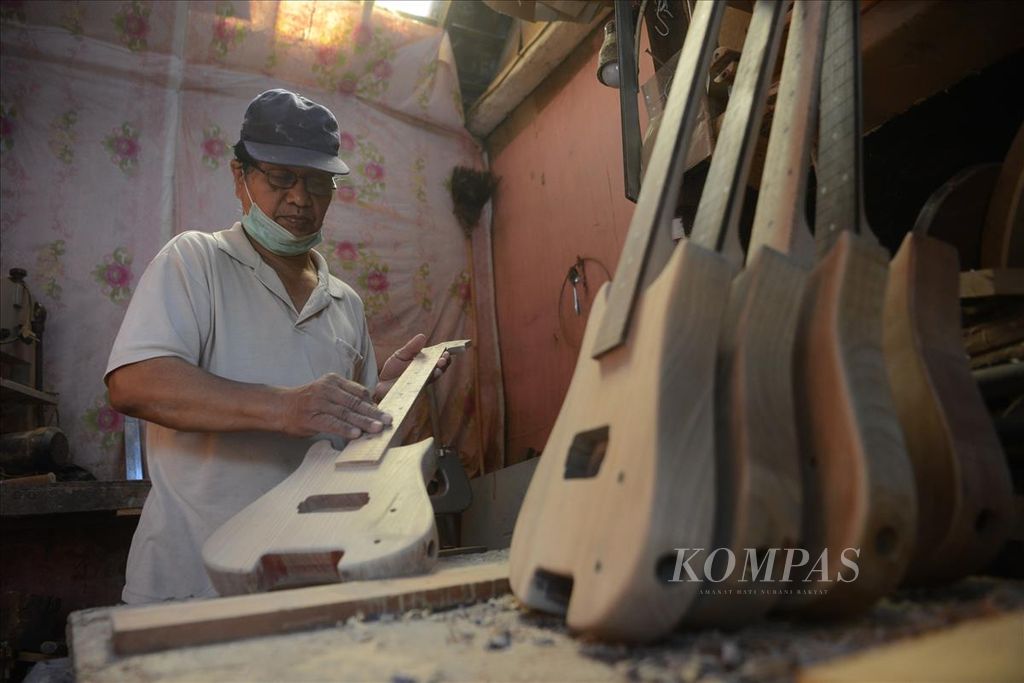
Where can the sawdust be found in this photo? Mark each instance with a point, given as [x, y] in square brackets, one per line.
[501, 641]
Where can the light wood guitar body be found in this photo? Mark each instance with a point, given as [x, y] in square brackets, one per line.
[305, 531]
[359, 513]
[859, 498]
[965, 497]
[760, 482]
[859, 491]
[627, 475]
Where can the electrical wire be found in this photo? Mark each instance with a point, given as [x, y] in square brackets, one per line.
[578, 267]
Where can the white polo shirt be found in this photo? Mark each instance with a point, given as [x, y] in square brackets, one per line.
[211, 300]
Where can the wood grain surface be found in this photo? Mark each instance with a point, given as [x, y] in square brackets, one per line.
[859, 498]
[757, 477]
[361, 513]
[955, 213]
[649, 240]
[760, 486]
[627, 475]
[163, 627]
[1002, 244]
[964, 493]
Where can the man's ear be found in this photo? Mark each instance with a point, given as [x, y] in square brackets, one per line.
[238, 174]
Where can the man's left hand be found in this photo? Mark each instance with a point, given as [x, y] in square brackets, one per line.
[399, 361]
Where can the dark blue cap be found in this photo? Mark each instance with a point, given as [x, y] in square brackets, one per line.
[282, 127]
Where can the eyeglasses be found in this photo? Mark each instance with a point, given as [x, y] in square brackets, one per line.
[318, 184]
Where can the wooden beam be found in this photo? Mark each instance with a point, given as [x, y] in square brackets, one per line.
[535, 62]
[992, 282]
[980, 650]
[161, 627]
[72, 496]
[915, 49]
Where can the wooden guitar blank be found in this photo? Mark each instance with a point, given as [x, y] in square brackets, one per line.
[859, 490]
[757, 468]
[1002, 244]
[955, 212]
[964, 494]
[362, 513]
[627, 475]
[859, 499]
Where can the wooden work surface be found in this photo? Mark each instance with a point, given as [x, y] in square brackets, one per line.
[64, 497]
[968, 631]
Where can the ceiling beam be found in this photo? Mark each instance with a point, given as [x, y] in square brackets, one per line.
[551, 45]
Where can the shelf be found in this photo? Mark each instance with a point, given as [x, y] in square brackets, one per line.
[64, 497]
[16, 392]
[12, 359]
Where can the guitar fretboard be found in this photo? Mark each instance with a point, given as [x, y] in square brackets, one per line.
[839, 205]
[716, 226]
[779, 222]
[656, 205]
[369, 449]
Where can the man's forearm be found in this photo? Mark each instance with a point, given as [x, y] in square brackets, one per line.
[174, 393]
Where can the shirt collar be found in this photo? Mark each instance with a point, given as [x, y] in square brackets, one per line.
[235, 244]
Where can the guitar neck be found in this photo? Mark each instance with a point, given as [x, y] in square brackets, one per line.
[716, 226]
[660, 191]
[369, 449]
[780, 219]
[840, 156]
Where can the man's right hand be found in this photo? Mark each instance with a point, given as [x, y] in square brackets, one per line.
[332, 405]
[176, 394]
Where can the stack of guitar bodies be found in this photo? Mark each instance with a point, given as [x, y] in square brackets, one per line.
[792, 428]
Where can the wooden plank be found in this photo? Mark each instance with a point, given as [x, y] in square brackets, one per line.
[162, 627]
[15, 392]
[917, 35]
[65, 497]
[975, 284]
[979, 650]
[533, 64]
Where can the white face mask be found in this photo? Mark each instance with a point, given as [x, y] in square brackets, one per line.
[271, 235]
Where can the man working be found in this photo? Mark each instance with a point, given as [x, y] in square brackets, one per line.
[239, 346]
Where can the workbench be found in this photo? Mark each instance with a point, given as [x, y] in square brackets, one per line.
[63, 548]
[968, 631]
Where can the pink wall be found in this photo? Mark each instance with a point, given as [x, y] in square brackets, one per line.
[559, 157]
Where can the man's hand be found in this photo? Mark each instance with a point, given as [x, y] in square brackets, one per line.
[399, 361]
[332, 405]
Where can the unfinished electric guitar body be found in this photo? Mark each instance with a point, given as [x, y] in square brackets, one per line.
[760, 485]
[627, 475]
[965, 497]
[859, 498]
[359, 513]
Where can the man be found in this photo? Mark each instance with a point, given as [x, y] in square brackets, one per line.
[240, 348]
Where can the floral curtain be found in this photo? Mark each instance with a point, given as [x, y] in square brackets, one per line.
[116, 121]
